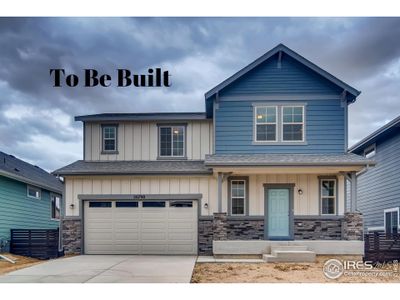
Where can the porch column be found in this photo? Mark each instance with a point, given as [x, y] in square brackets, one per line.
[220, 179]
[353, 177]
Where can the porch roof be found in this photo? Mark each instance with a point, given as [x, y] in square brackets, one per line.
[287, 160]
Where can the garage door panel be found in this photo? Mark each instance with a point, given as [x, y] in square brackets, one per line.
[141, 230]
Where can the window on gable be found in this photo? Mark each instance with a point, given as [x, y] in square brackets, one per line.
[370, 151]
[55, 207]
[238, 197]
[172, 141]
[328, 196]
[266, 119]
[109, 138]
[292, 123]
[34, 192]
[391, 220]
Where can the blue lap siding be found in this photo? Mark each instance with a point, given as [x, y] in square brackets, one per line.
[324, 118]
[18, 211]
[379, 187]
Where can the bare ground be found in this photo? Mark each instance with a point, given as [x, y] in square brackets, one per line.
[20, 263]
[280, 272]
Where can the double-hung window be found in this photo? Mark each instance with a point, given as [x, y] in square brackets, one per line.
[328, 196]
[292, 123]
[55, 207]
[391, 220]
[266, 119]
[172, 141]
[109, 134]
[238, 197]
[279, 123]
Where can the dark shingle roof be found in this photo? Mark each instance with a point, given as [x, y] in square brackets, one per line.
[17, 169]
[286, 160]
[380, 134]
[81, 167]
[166, 116]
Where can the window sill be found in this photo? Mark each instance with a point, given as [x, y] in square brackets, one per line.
[301, 143]
[109, 152]
[171, 158]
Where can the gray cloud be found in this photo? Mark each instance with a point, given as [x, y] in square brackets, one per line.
[199, 52]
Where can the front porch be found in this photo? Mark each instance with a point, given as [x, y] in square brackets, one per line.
[303, 204]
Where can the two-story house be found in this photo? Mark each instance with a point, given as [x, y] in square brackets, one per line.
[378, 188]
[264, 166]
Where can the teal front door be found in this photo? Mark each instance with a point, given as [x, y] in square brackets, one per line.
[278, 212]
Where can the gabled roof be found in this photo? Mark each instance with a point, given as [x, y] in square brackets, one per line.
[347, 159]
[187, 167]
[20, 170]
[385, 131]
[166, 116]
[282, 48]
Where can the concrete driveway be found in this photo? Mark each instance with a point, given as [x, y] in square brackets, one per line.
[108, 269]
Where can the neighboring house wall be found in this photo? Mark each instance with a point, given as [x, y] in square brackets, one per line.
[379, 187]
[18, 211]
[139, 140]
[305, 204]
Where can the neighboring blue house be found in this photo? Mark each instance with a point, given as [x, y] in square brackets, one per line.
[30, 198]
[379, 187]
[261, 170]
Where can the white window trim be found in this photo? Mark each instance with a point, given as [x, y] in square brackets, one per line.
[103, 138]
[334, 197]
[370, 148]
[36, 188]
[391, 210]
[51, 209]
[172, 139]
[292, 123]
[265, 123]
[279, 124]
[244, 197]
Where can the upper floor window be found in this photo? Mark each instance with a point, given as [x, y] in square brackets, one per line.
[266, 123]
[279, 123]
[55, 207]
[328, 196]
[109, 134]
[370, 151]
[172, 141]
[292, 123]
[34, 192]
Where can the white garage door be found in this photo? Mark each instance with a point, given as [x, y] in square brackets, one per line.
[140, 227]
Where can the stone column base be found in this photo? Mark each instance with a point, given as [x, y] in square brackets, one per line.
[72, 236]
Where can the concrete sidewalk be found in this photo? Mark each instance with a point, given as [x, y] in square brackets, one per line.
[108, 269]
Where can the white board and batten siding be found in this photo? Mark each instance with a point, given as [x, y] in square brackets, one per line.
[305, 204]
[139, 141]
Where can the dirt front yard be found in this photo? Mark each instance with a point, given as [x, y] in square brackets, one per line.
[284, 272]
[20, 263]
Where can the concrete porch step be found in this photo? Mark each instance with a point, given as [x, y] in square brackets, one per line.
[288, 248]
[290, 256]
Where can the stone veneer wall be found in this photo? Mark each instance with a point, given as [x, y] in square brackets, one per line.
[250, 229]
[353, 226]
[317, 229]
[205, 236]
[72, 236]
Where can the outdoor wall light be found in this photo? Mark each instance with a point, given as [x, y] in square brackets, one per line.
[206, 205]
[72, 206]
[300, 191]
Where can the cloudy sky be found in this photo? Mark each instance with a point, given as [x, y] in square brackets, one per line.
[36, 119]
